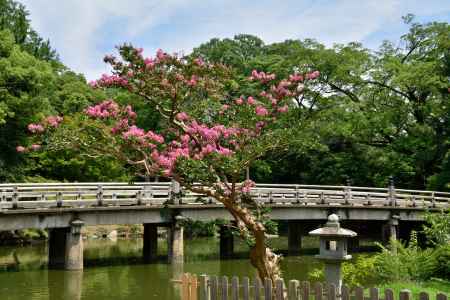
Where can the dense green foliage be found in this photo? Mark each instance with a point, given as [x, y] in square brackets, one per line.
[372, 113]
[14, 17]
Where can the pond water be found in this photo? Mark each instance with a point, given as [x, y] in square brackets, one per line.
[114, 270]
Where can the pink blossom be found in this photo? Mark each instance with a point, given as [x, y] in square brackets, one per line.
[155, 137]
[261, 111]
[35, 147]
[261, 76]
[239, 101]
[260, 124]
[149, 63]
[251, 100]
[224, 151]
[247, 185]
[182, 116]
[35, 128]
[111, 80]
[225, 107]
[105, 109]
[133, 131]
[296, 77]
[161, 55]
[192, 81]
[313, 75]
[283, 109]
[199, 61]
[20, 149]
[208, 149]
[54, 121]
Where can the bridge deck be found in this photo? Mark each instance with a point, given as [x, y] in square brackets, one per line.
[56, 205]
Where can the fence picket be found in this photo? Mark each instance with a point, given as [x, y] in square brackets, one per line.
[388, 294]
[279, 289]
[267, 289]
[194, 288]
[293, 289]
[234, 288]
[214, 287]
[345, 293]
[424, 296]
[359, 293]
[441, 296]
[331, 292]
[185, 287]
[224, 288]
[257, 289]
[318, 291]
[374, 294]
[246, 288]
[203, 287]
[306, 288]
[405, 295]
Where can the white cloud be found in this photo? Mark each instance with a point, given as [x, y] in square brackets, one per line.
[83, 30]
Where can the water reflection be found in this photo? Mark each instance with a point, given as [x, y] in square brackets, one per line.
[65, 285]
[119, 272]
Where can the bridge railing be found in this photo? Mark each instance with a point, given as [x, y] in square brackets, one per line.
[79, 195]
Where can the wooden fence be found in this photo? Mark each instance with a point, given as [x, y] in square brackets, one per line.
[221, 288]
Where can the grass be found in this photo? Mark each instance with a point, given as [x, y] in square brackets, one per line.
[432, 287]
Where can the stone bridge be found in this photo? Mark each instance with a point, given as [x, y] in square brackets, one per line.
[63, 208]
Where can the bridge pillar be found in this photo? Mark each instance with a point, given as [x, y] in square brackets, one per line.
[390, 230]
[74, 247]
[150, 249]
[57, 247]
[66, 247]
[175, 242]
[226, 242]
[294, 237]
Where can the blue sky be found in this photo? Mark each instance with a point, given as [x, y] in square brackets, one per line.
[83, 31]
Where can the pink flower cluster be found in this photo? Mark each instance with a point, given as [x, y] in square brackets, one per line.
[35, 128]
[199, 62]
[22, 149]
[261, 111]
[296, 77]
[199, 142]
[149, 63]
[53, 121]
[103, 110]
[109, 80]
[261, 76]
[247, 186]
[313, 75]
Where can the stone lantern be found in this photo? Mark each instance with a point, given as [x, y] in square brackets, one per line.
[333, 249]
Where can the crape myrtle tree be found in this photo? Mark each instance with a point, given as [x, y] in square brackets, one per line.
[209, 133]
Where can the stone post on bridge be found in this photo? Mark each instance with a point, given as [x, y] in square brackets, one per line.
[175, 241]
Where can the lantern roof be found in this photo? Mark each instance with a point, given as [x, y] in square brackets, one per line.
[333, 229]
